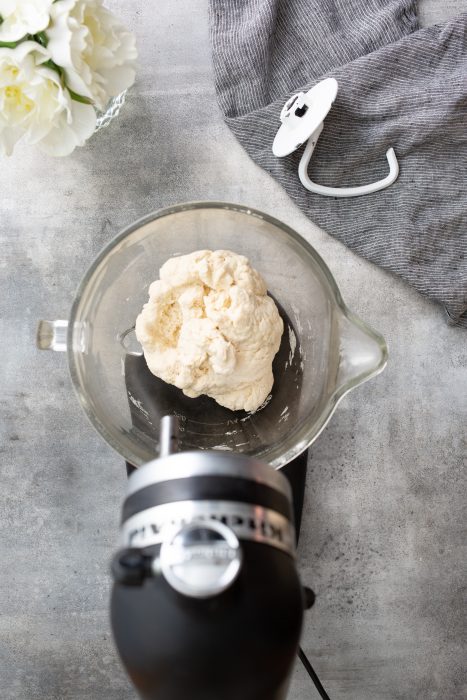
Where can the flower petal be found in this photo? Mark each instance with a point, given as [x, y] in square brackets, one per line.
[22, 17]
[35, 107]
[95, 50]
[64, 138]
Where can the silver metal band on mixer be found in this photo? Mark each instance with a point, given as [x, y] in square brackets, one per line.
[249, 522]
[204, 463]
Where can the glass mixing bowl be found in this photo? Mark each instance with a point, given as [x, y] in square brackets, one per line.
[326, 350]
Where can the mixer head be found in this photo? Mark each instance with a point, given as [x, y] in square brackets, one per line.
[207, 602]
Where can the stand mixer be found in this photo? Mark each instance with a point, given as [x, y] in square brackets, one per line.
[207, 602]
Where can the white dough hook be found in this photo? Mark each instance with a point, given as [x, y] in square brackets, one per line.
[302, 120]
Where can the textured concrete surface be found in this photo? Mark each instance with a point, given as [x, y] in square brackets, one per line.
[382, 540]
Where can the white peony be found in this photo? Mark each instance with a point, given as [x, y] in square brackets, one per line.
[21, 17]
[95, 50]
[35, 107]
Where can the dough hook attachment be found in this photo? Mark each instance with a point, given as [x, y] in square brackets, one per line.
[302, 120]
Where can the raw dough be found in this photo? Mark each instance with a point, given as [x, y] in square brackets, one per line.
[210, 328]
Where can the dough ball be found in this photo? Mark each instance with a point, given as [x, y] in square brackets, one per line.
[209, 327]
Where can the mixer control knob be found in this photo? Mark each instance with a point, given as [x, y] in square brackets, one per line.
[129, 567]
[309, 597]
[201, 559]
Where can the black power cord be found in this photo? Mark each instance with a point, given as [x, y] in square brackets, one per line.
[311, 672]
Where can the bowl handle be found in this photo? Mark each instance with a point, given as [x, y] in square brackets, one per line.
[52, 335]
[363, 352]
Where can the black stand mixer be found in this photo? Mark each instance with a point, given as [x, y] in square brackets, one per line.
[207, 601]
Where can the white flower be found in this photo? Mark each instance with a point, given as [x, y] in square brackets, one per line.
[35, 107]
[21, 17]
[95, 50]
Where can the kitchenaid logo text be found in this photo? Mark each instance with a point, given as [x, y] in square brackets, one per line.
[262, 527]
[249, 522]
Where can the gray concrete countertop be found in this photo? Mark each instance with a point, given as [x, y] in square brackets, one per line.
[382, 540]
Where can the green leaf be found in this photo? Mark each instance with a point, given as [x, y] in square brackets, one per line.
[53, 66]
[9, 44]
[42, 39]
[79, 98]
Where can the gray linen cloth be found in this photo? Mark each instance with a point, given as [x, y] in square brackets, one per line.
[398, 86]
